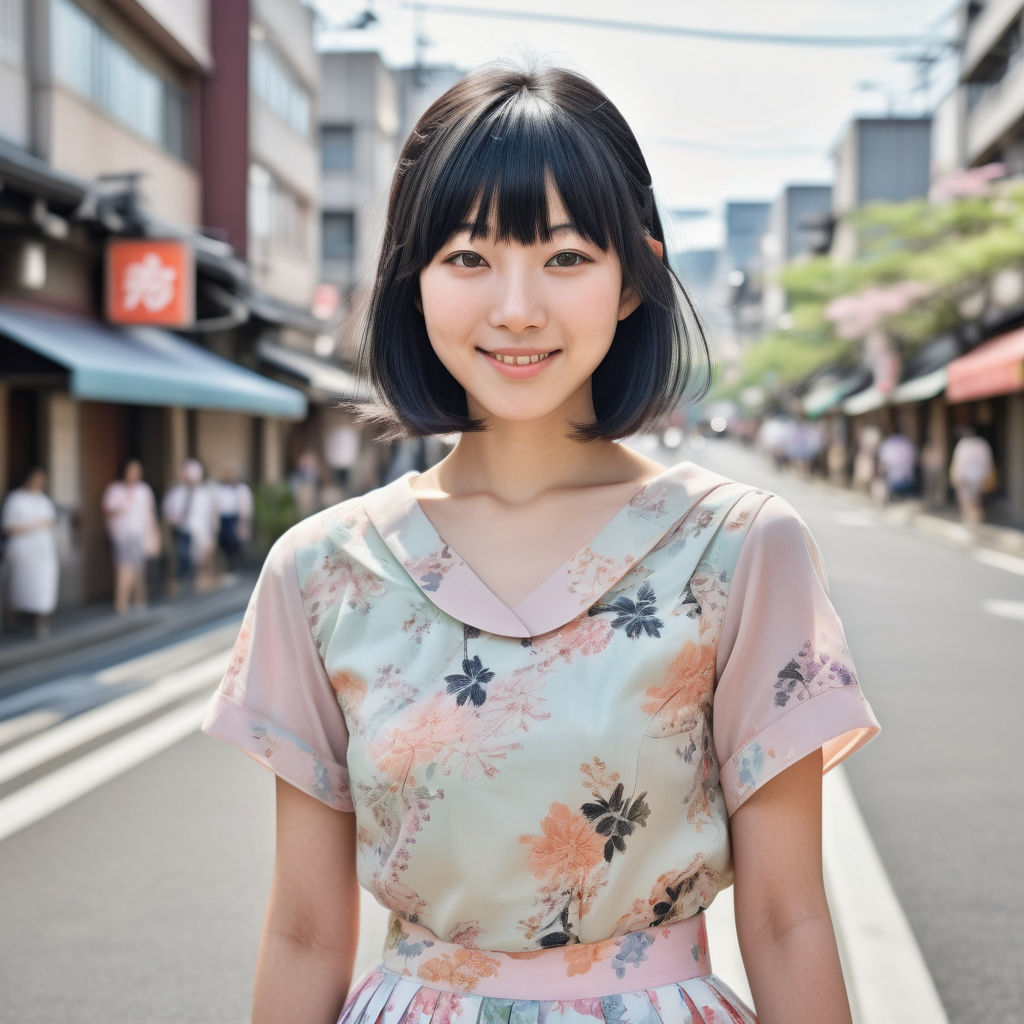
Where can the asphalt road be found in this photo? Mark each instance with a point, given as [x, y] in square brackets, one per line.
[939, 786]
[141, 901]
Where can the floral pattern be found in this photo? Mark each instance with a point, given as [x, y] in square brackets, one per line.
[560, 774]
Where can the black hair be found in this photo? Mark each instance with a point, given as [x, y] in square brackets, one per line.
[491, 144]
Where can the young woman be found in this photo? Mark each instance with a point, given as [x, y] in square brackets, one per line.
[547, 698]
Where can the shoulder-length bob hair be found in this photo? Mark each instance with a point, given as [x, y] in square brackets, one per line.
[487, 148]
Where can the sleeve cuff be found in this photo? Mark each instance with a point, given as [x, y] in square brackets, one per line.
[287, 756]
[839, 721]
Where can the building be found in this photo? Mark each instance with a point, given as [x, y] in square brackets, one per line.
[795, 230]
[877, 160]
[991, 97]
[979, 137]
[105, 138]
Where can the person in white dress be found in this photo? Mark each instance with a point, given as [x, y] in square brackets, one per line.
[190, 507]
[28, 520]
[130, 511]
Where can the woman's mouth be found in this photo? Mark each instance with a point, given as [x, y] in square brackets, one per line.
[518, 365]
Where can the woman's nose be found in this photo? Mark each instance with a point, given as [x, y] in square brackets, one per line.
[517, 304]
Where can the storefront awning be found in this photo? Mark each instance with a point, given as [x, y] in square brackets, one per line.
[325, 378]
[830, 391]
[864, 401]
[146, 366]
[920, 389]
[994, 368]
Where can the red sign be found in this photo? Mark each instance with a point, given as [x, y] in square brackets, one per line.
[150, 281]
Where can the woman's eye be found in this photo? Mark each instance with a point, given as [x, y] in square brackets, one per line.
[466, 259]
[566, 259]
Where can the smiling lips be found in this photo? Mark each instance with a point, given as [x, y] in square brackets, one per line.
[518, 363]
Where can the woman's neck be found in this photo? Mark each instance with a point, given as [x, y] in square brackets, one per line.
[516, 466]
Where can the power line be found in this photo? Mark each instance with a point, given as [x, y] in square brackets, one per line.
[761, 38]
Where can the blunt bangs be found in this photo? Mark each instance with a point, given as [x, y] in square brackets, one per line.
[485, 154]
[497, 179]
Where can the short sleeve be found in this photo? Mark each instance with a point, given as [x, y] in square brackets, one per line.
[786, 683]
[275, 701]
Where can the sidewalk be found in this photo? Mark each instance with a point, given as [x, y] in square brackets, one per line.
[77, 629]
[942, 523]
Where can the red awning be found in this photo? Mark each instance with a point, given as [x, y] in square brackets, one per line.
[995, 368]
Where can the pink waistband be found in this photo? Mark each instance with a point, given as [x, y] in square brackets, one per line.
[637, 960]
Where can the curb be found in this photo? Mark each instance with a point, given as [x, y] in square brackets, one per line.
[159, 621]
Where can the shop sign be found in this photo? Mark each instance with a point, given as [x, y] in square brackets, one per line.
[150, 281]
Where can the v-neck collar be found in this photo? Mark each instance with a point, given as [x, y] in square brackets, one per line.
[451, 583]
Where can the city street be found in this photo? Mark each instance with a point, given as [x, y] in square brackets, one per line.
[141, 898]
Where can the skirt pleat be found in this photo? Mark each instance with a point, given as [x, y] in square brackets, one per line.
[383, 997]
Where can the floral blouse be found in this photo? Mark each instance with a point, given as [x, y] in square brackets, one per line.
[563, 770]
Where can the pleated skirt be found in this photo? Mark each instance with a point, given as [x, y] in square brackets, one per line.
[660, 975]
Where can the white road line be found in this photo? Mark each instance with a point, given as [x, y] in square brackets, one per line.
[1001, 560]
[12, 729]
[167, 658]
[886, 973]
[1004, 609]
[53, 791]
[92, 724]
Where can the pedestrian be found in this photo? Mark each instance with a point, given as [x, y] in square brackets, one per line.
[343, 444]
[28, 520]
[972, 472]
[865, 462]
[129, 508]
[897, 461]
[306, 483]
[546, 697]
[190, 508]
[235, 507]
[934, 482]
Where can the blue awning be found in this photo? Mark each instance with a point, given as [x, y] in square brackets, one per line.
[147, 366]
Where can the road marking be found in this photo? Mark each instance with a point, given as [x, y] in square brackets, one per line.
[59, 788]
[1001, 560]
[14, 728]
[854, 519]
[885, 971]
[1004, 609]
[92, 724]
[168, 658]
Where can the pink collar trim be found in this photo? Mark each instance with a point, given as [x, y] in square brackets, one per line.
[452, 585]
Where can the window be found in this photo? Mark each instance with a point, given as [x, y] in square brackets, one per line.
[337, 147]
[271, 80]
[339, 236]
[11, 38]
[276, 213]
[90, 61]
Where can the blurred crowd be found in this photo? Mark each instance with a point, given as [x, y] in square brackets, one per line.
[887, 465]
[196, 538]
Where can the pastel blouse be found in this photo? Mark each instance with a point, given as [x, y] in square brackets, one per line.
[563, 770]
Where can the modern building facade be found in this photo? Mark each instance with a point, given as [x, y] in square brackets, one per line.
[877, 160]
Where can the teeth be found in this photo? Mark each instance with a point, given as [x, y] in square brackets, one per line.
[519, 360]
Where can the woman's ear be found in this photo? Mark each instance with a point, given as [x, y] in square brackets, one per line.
[628, 301]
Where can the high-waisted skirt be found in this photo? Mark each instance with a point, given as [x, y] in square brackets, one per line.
[660, 975]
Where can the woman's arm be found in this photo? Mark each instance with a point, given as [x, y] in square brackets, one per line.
[311, 929]
[782, 919]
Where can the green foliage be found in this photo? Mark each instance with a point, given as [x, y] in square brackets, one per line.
[273, 512]
[955, 247]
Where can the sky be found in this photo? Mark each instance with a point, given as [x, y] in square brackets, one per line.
[717, 120]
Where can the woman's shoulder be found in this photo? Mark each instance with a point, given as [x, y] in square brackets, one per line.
[334, 528]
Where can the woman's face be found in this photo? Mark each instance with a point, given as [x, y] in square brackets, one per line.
[559, 300]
